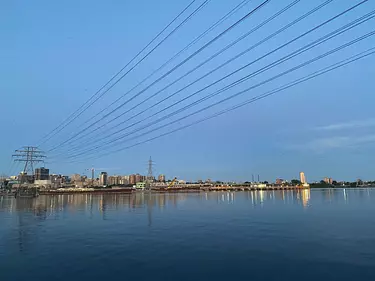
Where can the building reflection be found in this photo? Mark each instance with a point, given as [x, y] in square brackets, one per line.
[305, 197]
[30, 213]
[262, 197]
[46, 206]
[43, 206]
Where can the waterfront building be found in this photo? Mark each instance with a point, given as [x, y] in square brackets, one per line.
[114, 180]
[41, 174]
[76, 178]
[328, 180]
[161, 178]
[124, 180]
[139, 178]
[279, 181]
[103, 179]
[132, 179]
[302, 177]
[140, 185]
[23, 177]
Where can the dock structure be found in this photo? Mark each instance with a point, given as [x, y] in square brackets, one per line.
[251, 188]
[175, 189]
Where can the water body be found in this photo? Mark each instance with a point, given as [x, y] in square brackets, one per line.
[281, 235]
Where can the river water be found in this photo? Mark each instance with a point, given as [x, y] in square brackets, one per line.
[280, 235]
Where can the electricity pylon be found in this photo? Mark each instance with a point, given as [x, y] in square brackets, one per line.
[150, 177]
[29, 155]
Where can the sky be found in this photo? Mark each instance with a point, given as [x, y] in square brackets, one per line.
[54, 55]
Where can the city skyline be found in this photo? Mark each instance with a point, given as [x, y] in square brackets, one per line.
[103, 178]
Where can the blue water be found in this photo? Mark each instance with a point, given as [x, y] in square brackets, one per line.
[281, 235]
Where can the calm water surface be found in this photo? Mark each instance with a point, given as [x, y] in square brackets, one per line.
[281, 235]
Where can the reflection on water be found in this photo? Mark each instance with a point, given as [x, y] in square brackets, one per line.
[88, 202]
[31, 211]
[44, 206]
[328, 230]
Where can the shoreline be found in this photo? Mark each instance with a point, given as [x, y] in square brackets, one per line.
[184, 190]
[169, 190]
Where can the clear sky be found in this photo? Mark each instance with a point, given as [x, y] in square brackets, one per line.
[55, 54]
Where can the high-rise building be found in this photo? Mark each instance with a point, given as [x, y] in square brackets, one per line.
[132, 179]
[41, 173]
[75, 178]
[302, 177]
[139, 178]
[161, 178]
[114, 180]
[328, 180]
[124, 180]
[103, 179]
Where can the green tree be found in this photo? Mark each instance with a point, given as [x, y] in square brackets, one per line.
[295, 182]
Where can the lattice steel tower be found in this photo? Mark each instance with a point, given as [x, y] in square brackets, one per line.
[29, 155]
[150, 177]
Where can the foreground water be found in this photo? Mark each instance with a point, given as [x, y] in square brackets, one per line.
[280, 235]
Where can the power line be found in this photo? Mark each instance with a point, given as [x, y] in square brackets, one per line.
[61, 126]
[221, 20]
[264, 82]
[11, 167]
[254, 99]
[250, 88]
[201, 64]
[163, 76]
[269, 66]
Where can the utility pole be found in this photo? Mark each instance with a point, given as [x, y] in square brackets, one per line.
[29, 155]
[150, 176]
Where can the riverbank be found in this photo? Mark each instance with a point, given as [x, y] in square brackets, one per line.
[168, 190]
[102, 191]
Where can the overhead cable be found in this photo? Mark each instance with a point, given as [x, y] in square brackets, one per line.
[313, 75]
[277, 62]
[248, 89]
[166, 74]
[84, 106]
[200, 65]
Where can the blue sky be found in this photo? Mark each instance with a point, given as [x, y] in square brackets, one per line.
[55, 55]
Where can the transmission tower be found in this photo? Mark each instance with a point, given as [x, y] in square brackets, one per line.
[29, 155]
[150, 177]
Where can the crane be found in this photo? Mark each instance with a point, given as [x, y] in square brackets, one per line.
[172, 183]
